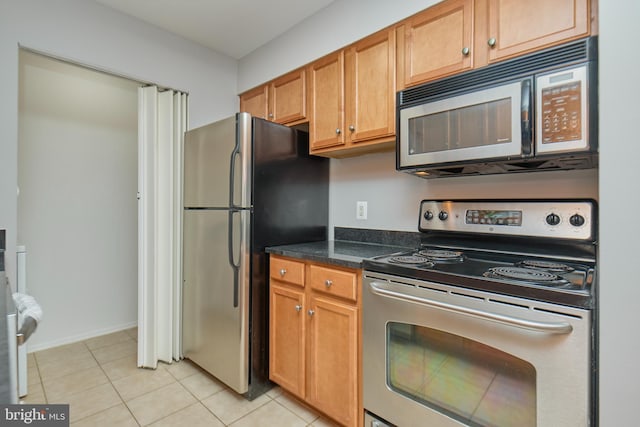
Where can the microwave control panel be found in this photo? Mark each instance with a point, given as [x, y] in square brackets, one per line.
[561, 112]
[561, 119]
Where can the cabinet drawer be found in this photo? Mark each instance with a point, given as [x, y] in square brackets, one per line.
[286, 270]
[335, 282]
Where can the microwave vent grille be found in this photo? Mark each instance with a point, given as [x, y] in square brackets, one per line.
[567, 54]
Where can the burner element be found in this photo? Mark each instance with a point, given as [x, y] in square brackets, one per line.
[525, 274]
[410, 259]
[545, 265]
[442, 255]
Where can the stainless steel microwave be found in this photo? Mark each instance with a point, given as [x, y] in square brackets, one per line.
[537, 112]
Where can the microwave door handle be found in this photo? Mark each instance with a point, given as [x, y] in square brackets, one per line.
[525, 117]
[544, 327]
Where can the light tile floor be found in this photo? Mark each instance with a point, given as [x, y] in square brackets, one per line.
[99, 379]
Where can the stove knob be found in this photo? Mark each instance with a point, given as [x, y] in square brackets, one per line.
[576, 220]
[553, 219]
[443, 215]
[428, 215]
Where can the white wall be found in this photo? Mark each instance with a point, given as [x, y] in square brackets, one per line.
[91, 34]
[77, 207]
[615, 183]
[619, 204]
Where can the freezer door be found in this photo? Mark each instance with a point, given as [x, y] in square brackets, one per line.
[215, 295]
[217, 163]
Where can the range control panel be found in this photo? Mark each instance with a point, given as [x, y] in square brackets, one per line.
[555, 219]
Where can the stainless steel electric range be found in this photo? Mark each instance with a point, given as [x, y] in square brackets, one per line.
[489, 322]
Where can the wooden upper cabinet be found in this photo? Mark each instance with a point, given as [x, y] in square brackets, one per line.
[326, 93]
[255, 102]
[370, 91]
[352, 98]
[517, 27]
[438, 41]
[288, 98]
[283, 100]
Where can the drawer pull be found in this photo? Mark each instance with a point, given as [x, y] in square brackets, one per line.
[328, 283]
[283, 271]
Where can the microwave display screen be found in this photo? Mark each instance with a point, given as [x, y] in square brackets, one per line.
[479, 125]
[561, 113]
[493, 217]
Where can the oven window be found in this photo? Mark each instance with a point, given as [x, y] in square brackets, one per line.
[466, 380]
[471, 126]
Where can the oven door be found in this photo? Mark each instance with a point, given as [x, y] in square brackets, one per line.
[484, 124]
[438, 355]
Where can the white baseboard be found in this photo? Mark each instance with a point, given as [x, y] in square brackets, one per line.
[80, 337]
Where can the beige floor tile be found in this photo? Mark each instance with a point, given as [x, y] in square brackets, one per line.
[59, 368]
[323, 422]
[182, 369]
[297, 407]
[275, 392]
[144, 381]
[117, 416]
[193, 416]
[202, 385]
[125, 367]
[59, 388]
[115, 351]
[269, 415]
[107, 340]
[33, 374]
[229, 406]
[158, 404]
[31, 358]
[63, 353]
[35, 395]
[90, 402]
[133, 333]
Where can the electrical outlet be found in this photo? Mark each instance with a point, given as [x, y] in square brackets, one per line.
[361, 210]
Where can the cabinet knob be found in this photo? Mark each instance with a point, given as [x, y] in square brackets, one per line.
[311, 312]
[283, 271]
[491, 42]
[338, 131]
[328, 283]
[465, 51]
[352, 128]
[298, 308]
[271, 115]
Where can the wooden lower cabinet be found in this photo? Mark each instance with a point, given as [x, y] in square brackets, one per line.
[315, 329]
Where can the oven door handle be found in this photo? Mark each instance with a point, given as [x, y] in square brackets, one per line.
[545, 327]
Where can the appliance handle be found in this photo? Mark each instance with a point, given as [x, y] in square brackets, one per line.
[232, 169]
[550, 328]
[525, 117]
[232, 262]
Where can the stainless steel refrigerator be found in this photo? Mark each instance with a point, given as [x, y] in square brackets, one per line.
[248, 184]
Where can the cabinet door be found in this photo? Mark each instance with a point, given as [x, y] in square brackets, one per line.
[370, 74]
[438, 41]
[255, 102]
[286, 338]
[288, 98]
[517, 27]
[332, 369]
[326, 84]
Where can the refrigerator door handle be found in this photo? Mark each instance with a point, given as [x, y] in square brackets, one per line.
[232, 174]
[232, 260]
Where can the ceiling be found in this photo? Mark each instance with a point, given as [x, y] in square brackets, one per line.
[232, 27]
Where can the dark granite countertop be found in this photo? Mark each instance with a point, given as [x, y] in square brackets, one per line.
[350, 247]
[335, 252]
